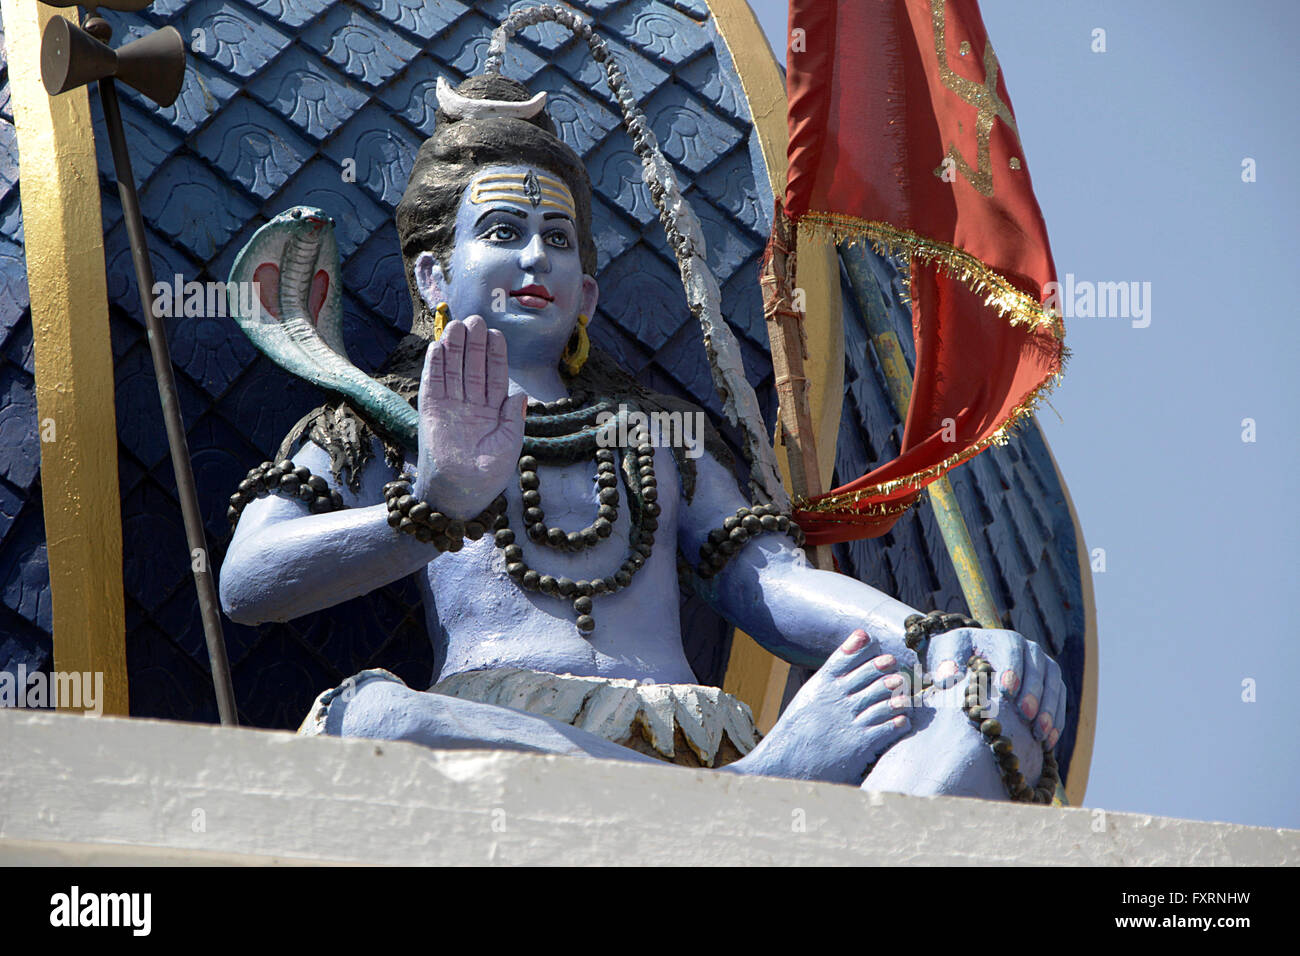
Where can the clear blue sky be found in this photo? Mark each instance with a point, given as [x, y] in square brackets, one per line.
[1136, 156]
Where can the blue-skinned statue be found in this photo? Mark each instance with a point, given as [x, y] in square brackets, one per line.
[514, 469]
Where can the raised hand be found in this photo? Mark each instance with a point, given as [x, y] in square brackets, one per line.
[471, 427]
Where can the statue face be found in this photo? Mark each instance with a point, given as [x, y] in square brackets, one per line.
[515, 262]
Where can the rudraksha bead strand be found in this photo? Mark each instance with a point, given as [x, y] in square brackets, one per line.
[535, 517]
[921, 627]
[287, 480]
[643, 510]
[976, 708]
[736, 530]
[412, 516]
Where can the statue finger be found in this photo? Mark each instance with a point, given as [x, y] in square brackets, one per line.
[498, 371]
[1007, 655]
[432, 387]
[858, 648]
[453, 339]
[1031, 695]
[476, 349]
[1052, 711]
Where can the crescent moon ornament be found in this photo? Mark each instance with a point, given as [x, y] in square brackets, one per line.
[465, 107]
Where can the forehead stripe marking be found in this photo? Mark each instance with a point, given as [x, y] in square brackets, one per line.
[487, 190]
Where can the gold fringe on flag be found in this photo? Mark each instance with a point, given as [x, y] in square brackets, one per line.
[890, 240]
[999, 294]
[829, 505]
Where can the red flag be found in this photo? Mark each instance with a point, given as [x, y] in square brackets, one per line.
[902, 134]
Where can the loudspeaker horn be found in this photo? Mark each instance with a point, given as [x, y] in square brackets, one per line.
[153, 64]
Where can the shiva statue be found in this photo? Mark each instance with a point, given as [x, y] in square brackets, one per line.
[476, 459]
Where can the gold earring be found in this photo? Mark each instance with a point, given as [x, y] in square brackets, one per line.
[441, 316]
[578, 348]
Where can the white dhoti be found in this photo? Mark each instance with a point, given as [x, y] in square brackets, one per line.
[687, 724]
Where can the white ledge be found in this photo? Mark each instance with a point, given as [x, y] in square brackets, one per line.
[116, 791]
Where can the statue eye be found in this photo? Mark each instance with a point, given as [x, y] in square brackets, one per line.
[501, 232]
[558, 238]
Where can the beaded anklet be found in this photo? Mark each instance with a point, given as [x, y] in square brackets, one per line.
[736, 530]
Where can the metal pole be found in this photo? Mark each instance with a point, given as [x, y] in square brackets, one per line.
[200, 558]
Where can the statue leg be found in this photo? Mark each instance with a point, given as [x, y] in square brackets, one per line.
[386, 709]
[946, 754]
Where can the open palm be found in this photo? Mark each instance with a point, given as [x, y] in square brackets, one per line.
[471, 428]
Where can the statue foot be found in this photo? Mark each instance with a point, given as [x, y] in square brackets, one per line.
[946, 754]
[840, 722]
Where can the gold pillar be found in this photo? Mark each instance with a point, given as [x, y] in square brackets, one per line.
[76, 425]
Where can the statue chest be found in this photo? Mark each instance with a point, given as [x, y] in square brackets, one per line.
[490, 620]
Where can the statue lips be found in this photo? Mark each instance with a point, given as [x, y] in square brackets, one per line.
[536, 297]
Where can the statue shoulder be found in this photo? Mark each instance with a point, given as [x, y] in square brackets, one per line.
[351, 438]
[350, 441]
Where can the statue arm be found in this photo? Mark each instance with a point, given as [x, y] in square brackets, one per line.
[769, 590]
[285, 562]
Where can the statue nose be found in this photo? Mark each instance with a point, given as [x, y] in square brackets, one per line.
[533, 257]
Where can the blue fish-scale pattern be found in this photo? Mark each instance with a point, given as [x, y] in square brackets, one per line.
[1013, 504]
[324, 102]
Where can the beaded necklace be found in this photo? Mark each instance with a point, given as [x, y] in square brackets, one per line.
[564, 432]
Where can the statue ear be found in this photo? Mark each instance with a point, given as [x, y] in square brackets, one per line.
[429, 279]
[590, 296]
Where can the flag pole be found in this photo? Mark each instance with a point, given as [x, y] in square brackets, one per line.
[789, 347]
